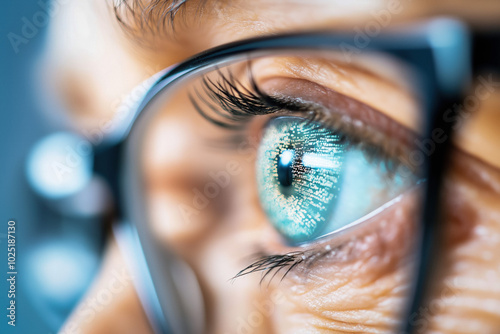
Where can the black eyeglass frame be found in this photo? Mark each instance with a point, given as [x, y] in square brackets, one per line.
[418, 45]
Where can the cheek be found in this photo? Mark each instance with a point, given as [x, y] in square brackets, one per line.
[363, 285]
[465, 297]
[359, 287]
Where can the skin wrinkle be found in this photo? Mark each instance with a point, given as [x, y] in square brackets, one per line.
[467, 275]
[326, 290]
[315, 295]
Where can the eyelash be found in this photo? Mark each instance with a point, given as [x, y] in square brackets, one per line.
[239, 104]
[267, 264]
[273, 263]
[234, 105]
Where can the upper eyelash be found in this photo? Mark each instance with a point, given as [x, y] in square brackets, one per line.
[238, 103]
[235, 104]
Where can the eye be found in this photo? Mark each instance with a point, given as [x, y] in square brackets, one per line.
[313, 181]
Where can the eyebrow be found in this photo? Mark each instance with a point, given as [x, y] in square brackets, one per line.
[153, 16]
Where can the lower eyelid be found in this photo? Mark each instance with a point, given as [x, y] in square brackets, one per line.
[380, 245]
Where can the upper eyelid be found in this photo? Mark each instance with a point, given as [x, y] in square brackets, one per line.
[318, 96]
[284, 98]
[400, 95]
[239, 103]
[340, 112]
[308, 69]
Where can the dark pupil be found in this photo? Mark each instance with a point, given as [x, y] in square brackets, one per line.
[285, 171]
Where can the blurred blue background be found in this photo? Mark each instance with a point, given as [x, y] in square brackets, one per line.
[57, 255]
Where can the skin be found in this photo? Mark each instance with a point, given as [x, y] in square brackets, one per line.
[362, 285]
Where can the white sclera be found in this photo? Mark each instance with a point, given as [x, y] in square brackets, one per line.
[365, 187]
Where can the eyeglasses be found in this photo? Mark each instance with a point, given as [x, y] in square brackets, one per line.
[326, 130]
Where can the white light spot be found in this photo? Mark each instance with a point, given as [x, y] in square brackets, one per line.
[286, 157]
[317, 161]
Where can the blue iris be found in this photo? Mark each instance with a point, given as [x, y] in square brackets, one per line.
[311, 181]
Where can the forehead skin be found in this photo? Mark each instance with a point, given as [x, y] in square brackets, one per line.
[98, 60]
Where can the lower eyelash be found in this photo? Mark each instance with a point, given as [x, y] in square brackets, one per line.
[267, 264]
[285, 263]
[366, 242]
